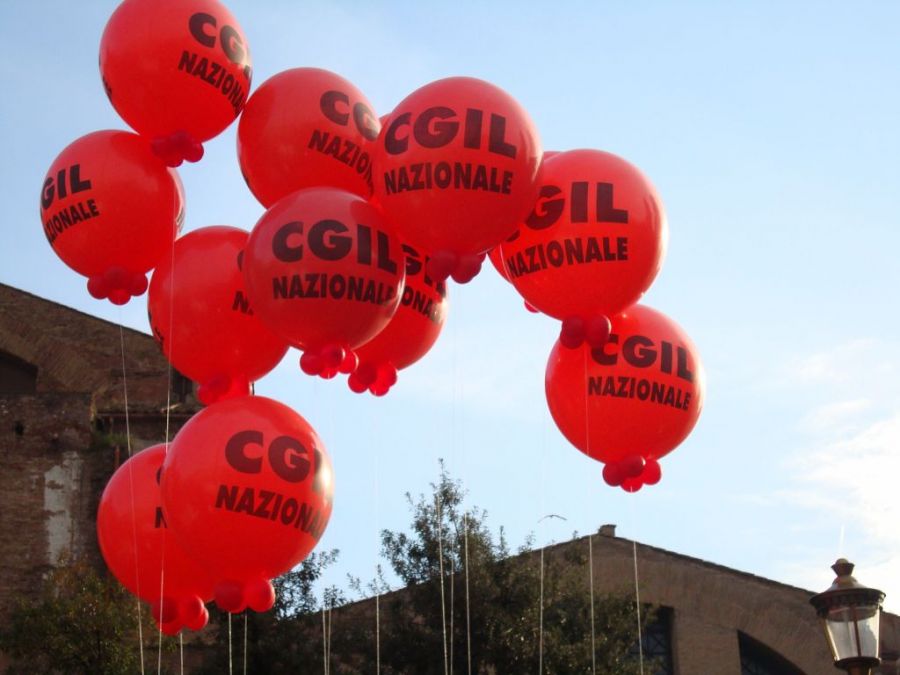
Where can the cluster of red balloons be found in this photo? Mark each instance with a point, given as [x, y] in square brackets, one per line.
[366, 219]
[242, 495]
[624, 383]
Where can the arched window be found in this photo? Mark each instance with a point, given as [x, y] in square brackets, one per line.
[16, 376]
[758, 659]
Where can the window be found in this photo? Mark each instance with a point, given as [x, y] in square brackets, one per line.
[16, 376]
[656, 642]
[758, 659]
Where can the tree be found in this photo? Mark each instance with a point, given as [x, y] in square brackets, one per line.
[78, 622]
[494, 611]
[287, 639]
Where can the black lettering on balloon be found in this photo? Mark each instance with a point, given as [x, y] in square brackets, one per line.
[546, 211]
[235, 451]
[365, 121]
[196, 24]
[289, 459]
[442, 133]
[638, 351]
[392, 144]
[497, 141]
[472, 138]
[606, 213]
[232, 44]
[328, 104]
[336, 247]
[281, 246]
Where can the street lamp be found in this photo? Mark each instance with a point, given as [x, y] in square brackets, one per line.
[850, 614]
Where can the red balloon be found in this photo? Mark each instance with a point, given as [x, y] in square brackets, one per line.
[140, 551]
[307, 127]
[639, 395]
[247, 488]
[110, 211]
[457, 168]
[592, 245]
[177, 72]
[202, 319]
[325, 273]
[409, 335]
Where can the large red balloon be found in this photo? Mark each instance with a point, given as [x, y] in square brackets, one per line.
[306, 127]
[139, 549]
[409, 335]
[247, 489]
[593, 243]
[177, 72]
[633, 400]
[325, 272]
[202, 319]
[456, 171]
[110, 210]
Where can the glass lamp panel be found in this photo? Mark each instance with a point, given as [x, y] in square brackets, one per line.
[852, 631]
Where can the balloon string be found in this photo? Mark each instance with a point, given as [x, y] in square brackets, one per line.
[587, 445]
[468, 621]
[245, 643]
[324, 641]
[541, 619]
[330, 614]
[441, 571]
[230, 669]
[452, 584]
[181, 651]
[137, 575]
[159, 639]
[162, 558]
[591, 579]
[637, 607]
[377, 436]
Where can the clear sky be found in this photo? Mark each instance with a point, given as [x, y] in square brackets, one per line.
[770, 131]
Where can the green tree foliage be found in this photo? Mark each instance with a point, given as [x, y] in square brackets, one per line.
[79, 622]
[287, 639]
[493, 614]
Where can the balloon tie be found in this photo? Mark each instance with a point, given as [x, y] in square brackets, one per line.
[131, 488]
[177, 147]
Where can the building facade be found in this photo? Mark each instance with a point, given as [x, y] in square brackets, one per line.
[64, 418]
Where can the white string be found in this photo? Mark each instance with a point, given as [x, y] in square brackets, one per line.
[377, 436]
[131, 485]
[452, 584]
[441, 567]
[468, 622]
[637, 606]
[245, 643]
[591, 577]
[181, 651]
[541, 620]
[324, 641]
[229, 645]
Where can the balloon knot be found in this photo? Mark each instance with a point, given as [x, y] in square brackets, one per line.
[328, 361]
[117, 284]
[177, 147]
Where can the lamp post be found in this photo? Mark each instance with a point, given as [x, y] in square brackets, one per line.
[850, 614]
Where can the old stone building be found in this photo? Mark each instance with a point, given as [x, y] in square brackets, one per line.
[63, 422]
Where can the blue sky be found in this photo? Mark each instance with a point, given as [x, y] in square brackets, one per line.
[770, 132]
